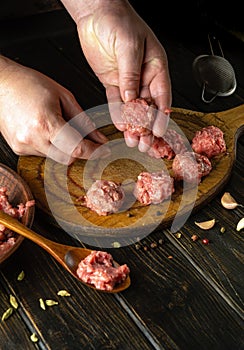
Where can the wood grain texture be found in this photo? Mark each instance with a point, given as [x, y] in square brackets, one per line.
[12, 326]
[174, 300]
[88, 319]
[176, 304]
[57, 189]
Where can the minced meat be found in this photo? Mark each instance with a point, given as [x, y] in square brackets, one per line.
[8, 237]
[191, 167]
[153, 188]
[168, 146]
[209, 141]
[97, 269]
[104, 197]
[138, 116]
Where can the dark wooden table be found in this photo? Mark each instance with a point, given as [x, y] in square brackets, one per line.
[184, 295]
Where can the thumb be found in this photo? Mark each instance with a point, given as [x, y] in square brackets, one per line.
[129, 66]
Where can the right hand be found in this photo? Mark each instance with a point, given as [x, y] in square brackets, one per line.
[127, 58]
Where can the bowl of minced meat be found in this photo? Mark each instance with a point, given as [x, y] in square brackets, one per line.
[16, 200]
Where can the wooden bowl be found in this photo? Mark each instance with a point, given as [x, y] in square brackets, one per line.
[18, 192]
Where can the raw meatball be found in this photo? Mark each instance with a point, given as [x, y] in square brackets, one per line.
[209, 141]
[153, 188]
[139, 115]
[167, 146]
[191, 167]
[97, 269]
[104, 197]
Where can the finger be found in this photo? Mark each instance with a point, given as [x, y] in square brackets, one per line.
[45, 149]
[79, 120]
[160, 124]
[58, 156]
[87, 128]
[113, 94]
[114, 105]
[87, 149]
[48, 150]
[145, 143]
[161, 93]
[66, 139]
[129, 64]
[69, 141]
[131, 140]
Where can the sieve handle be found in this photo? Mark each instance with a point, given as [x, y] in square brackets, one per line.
[203, 95]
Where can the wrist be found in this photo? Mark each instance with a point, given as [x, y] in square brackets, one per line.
[82, 8]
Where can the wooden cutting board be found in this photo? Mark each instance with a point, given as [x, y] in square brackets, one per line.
[57, 188]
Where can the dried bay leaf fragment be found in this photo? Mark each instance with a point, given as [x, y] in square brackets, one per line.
[228, 201]
[206, 225]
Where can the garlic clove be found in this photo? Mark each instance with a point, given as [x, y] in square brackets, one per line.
[240, 225]
[228, 201]
[206, 225]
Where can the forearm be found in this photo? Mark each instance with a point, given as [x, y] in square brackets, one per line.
[81, 8]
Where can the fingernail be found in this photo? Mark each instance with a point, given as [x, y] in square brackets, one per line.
[130, 95]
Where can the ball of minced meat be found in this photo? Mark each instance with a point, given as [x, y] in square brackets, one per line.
[191, 167]
[104, 197]
[153, 188]
[209, 141]
[167, 146]
[138, 116]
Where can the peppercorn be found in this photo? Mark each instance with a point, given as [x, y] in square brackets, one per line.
[205, 241]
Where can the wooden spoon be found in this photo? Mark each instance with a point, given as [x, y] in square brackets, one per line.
[68, 256]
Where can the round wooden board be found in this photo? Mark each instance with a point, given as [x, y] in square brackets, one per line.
[57, 188]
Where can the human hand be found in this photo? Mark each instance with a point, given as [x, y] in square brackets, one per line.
[127, 58]
[33, 114]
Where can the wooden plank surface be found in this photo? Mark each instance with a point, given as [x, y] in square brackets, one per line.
[86, 319]
[184, 295]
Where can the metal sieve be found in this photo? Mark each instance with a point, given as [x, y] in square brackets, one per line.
[214, 74]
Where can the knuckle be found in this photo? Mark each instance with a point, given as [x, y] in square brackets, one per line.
[22, 137]
[80, 152]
